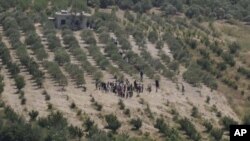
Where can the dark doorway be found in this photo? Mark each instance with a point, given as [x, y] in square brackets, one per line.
[63, 22]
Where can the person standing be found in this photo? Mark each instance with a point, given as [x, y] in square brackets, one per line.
[157, 85]
[141, 74]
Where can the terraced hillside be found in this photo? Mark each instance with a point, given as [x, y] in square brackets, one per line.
[100, 83]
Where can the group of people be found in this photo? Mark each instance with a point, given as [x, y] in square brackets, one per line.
[124, 89]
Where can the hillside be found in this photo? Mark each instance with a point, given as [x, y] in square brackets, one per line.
[133, 70]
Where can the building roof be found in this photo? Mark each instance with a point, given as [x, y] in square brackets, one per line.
[66, 13]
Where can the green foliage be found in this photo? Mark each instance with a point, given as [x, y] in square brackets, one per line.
[244, 71]
[20, 82]
[56, 73]
[208, 125]
[61, 56]
[34, 41]
[246, 119]
[121, 104]
[234, 47]
[161, 125]
[113, 122]
[40, 4]
[88, 124]
[98, 106]
[195, 112]
[217, 134]
[194, 75]
[137, 123]
[127, 112]
[230, 83]
[169, 133]
[227, 121]
[72, 105]
[228, 58]
[189, 128]
[152, 36]
[33, 114]
[159, 44]
[88, 37]
[76, 73]
[165, 58]
[76, 132]
[179, 51]
[60, 4]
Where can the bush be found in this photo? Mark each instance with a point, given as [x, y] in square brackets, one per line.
[47, 97]
[121, 104]
[170, 133]
[189, 128]
[153, 36]
[195, 112]
[20, 83]
[194, 75]
[23, 101]
[161, 125]
[217, 134]
[113, 122]
[234, 47]
[244, 71]
[72, 105]
[98, 106]
[61, 57]
[208, 125]
[33, 114]
[127, 112]
[137, 123]
[76, 132]
[88, 124]
[159, 44]
[49, 106]
[228, 58]
[227, 121]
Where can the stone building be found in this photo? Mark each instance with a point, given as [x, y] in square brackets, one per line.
[73, 20]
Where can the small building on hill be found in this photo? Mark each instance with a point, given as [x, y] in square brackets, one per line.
[73, 20]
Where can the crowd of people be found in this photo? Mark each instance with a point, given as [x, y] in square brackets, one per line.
[124, 89]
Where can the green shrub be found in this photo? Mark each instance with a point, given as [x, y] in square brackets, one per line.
[113, 122]
[72, 105]
[137, 123]
[217, 134]
[33, 114]
[127, 112]
[227, 121]
[61, 57]
[234, 47]
[153, 36]
[208, 125]
[189, 128]
[88, 124]
[195, 112]
[20, 82]
[121, 104]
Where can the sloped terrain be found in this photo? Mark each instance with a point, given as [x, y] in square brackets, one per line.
[60, 80]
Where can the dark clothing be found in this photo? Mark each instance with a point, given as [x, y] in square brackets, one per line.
[157, 85]
[141, 73]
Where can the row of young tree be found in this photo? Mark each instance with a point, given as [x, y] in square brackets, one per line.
[9, 24]
[74, 48]
[94, 50]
